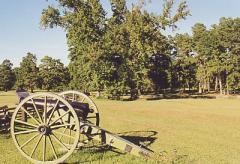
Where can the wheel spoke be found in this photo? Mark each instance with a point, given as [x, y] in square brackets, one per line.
[60, 126]
[53, 149]
[59, 117]
[64, 135]
[91, 117]
[73, 97]
[35, 147]
[70, 133]
[53, 110]
[92, 106]
[25, 123]
[60, 142]
[83, 99]
[62, 122]
[35, 107]
[45, 110]
[29, 140]
[26, 132]
[31, 116]
[44, 147]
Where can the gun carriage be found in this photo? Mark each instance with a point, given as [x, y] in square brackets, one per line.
[47, 128]
[4, 118]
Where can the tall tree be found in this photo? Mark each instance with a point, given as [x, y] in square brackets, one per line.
[228, 31]
[28, 71]
[147, 41]
[84, 23]
[117, 76]
[201, 47]
[184, 62]
[7, 76]
[53, 74]
[112, 52]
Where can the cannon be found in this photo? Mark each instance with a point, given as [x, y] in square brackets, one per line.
[47, 127]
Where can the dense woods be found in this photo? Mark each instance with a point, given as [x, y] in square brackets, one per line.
[128, 53]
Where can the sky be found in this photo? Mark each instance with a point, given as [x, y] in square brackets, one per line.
[20, 31]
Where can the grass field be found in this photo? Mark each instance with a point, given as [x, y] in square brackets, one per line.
[177, 130]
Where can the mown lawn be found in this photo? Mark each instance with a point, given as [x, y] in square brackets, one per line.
[177, 130]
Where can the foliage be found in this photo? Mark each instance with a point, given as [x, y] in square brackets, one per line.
[218, 55]
[115, 53]
[53, 74]
[183, 62]
[127, 52]
[27, 73]
[7, 76]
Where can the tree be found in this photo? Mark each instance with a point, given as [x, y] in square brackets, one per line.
[7, 75]
[201, 39]
[148, 42]
[228, 37]
[159, 67]
[111, 52]
[115, 73]
[84, 22]
[28, 72]
[217, 55]
[183, 62]
[53, 74]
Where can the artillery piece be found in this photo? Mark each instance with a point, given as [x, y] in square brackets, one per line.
[47, 128]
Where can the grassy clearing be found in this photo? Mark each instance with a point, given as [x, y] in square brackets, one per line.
[178, 130]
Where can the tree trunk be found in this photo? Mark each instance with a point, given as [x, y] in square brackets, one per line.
[227, 87]
[220, 85]
[208, 85]
[98, 94]
[139, 92]
[216, 84]
[204, 86]
[199, 87]
[188, 85]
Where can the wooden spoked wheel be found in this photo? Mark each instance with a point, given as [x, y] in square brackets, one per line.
[41, 135]
[75, 96]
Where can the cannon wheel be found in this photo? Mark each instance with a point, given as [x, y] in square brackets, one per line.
[77, 96]
[41, 136]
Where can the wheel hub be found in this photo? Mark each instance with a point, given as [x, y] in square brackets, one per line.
[45, 130]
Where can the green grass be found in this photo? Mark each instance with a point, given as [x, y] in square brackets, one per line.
[178, 131]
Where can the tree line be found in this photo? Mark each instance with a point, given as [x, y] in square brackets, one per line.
[51, 74]
[127, 52]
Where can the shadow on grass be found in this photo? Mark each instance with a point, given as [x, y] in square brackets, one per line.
[98, 152]
[170, 95]
[140, 138]
[5, 134]
[179, 96]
